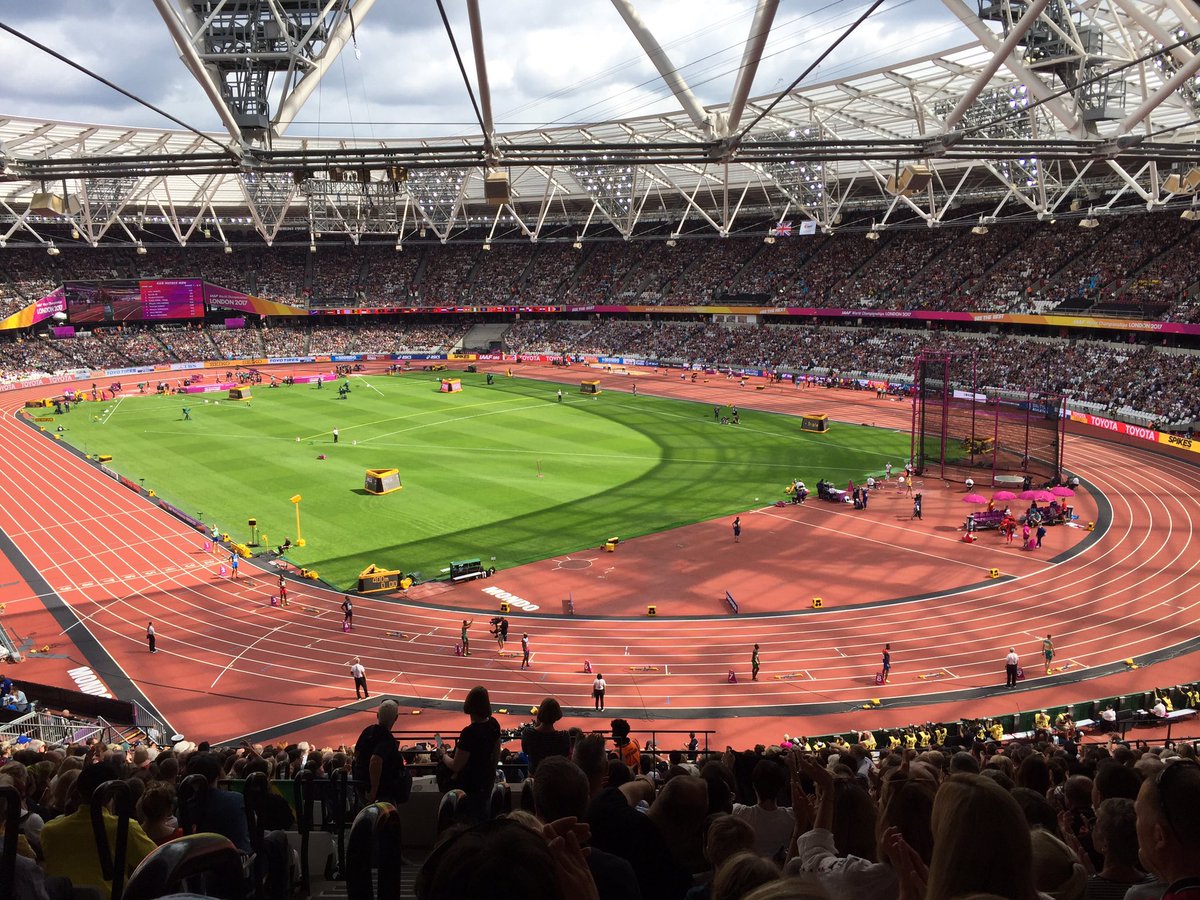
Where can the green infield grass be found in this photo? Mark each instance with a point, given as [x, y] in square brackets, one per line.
[505, 472]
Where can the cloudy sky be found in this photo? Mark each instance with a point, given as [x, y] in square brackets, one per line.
[549, 61]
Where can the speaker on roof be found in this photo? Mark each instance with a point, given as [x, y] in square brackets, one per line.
[495, 189]
[909, 181]
[1186, 183]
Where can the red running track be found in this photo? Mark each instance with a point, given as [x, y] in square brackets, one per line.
[230, 665]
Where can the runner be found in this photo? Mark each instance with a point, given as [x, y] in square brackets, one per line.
[754, 664]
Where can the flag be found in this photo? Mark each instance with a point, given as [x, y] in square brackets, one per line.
[808, 226]
[783, 229]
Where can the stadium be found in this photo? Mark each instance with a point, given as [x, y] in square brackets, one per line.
[842, 426]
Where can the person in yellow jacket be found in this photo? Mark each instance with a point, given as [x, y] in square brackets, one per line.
[867, 740]
[69, 846]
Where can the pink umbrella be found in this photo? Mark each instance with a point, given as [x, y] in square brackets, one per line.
[1030, 495]
[1044, 496]
[975, 498]
[1004, 495]
[1062, 491]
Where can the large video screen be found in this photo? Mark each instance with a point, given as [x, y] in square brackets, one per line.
[98, 302]
[173, 298]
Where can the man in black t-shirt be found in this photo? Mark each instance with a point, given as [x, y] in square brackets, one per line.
[378, 765]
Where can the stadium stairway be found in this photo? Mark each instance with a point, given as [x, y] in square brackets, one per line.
[484, 336]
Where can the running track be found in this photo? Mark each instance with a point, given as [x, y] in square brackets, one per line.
[97, 561]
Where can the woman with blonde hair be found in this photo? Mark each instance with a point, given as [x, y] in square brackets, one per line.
[742, 873]
[981, 844]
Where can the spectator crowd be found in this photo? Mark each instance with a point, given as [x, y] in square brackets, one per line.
[1145, 266]
[600, 815]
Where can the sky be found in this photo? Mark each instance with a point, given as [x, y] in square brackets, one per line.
[549, 61]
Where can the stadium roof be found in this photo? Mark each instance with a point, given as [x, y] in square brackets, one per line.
[1056, 107]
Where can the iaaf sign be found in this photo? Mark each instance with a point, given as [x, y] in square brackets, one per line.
[513, 599]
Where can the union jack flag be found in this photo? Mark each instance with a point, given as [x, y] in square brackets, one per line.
[783, 229]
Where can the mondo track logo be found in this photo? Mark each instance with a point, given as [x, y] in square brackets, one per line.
[89, 682]
[513, 599]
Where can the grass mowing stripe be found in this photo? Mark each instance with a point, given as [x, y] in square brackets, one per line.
[469, 462]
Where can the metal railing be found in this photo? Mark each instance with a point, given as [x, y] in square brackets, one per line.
[53, 728]
[158, 731]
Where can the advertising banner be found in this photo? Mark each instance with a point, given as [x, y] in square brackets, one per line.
[39, 311]
[1137, 431]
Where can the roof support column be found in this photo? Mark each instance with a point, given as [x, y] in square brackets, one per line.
[1036, 86]
[999, 56]
[481, 75]
[181, 33]
[1182, 74]
[760, 30]
[290, 106]
[662, 62]
[1153, 28]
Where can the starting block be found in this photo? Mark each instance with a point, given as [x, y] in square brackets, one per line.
[787, 676]
[929, 675]
[993, 573]
[637, 668]
[1129, 663]
[817, 603]
[871, 704]
[732, 679]
[395, 634]
[652, 610]
[311, 609]
[587, 667]
[506, 654]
